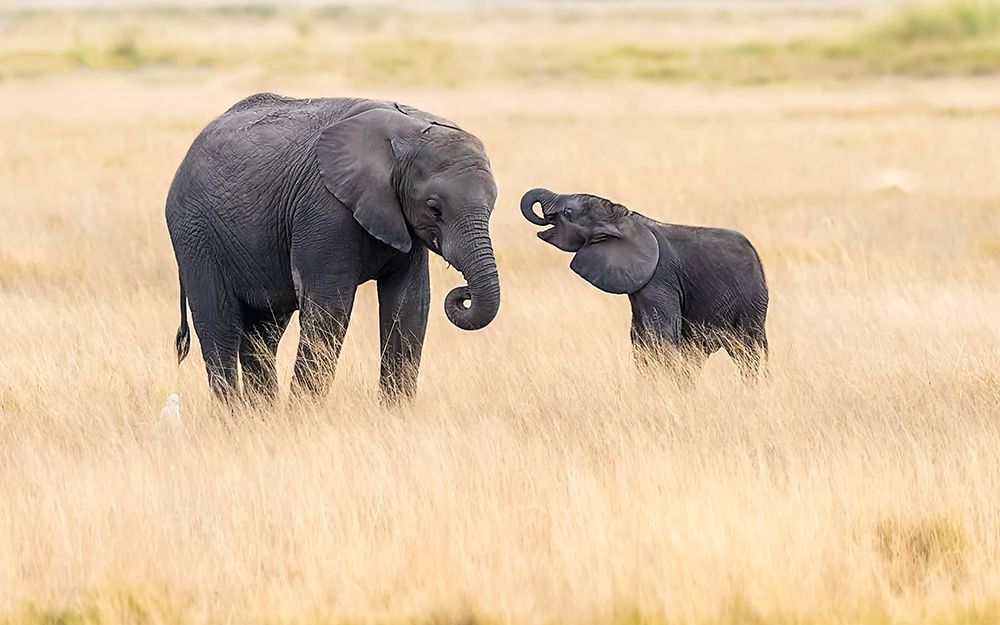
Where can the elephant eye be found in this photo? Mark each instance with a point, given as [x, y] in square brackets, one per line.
[567, 212]
[435, 209]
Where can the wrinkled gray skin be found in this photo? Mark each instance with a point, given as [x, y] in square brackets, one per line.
[693, 290]
[284, 204]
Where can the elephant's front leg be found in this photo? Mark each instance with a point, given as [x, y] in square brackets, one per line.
[656, 328]
[403, 301]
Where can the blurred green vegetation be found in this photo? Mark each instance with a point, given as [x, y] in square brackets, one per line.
[957, 37]
[369, 44]
[937, 39]
[955, 21]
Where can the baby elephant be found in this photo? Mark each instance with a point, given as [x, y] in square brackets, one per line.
[693, 290]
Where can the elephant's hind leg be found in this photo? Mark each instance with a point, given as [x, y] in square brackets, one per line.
[748, 349]
[218, 326]
[258, 349]
[217, 318]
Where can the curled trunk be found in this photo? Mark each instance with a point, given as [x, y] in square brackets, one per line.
[474, 258]
[528, 200]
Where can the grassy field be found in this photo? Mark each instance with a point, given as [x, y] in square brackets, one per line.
[786, 41]
[537, 479]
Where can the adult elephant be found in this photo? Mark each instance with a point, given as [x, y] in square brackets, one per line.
[286, 204]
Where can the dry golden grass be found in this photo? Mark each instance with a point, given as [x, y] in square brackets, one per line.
[537, 479]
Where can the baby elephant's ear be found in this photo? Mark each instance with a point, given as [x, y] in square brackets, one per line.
[623, 262]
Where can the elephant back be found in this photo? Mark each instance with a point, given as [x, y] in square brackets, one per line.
[258, 99]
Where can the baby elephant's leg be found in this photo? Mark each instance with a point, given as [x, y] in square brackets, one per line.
[748, 349]
[657, 344]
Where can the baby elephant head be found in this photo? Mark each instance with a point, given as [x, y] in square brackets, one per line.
[615, 250]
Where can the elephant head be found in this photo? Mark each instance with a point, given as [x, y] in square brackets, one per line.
[404, 173]
[614, 250]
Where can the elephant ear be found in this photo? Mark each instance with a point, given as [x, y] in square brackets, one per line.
[622, 260]
[356, 163]
[425, 116]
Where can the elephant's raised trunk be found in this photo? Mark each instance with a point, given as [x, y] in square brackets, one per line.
[528, 205]
[476, 262]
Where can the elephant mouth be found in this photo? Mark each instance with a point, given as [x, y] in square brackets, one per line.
[431, 238]
[552, 220]
[564, 236]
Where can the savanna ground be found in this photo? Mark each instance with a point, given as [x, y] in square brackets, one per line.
[538, 478]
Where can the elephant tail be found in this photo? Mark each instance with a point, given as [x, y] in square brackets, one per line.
[183, 341]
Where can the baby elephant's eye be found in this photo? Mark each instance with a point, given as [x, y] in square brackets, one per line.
[567, 212]
[435, 209]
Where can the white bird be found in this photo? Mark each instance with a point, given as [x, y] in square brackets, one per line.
[170, 415]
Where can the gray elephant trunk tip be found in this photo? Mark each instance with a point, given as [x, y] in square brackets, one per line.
[528, 201]
[475, 306]
[455, 308]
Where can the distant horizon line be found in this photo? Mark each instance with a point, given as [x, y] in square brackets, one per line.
[692, 5]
